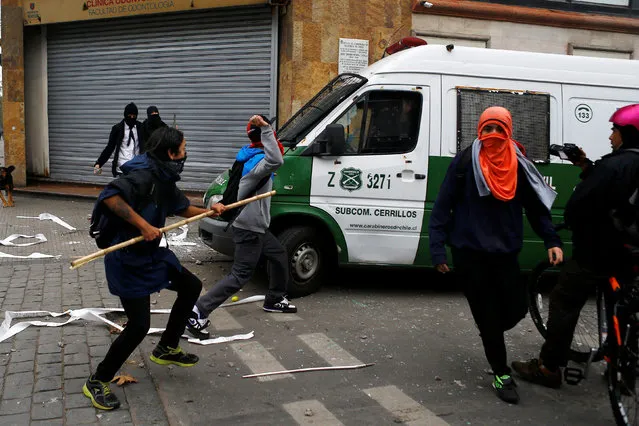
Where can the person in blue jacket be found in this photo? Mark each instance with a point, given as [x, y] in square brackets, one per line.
[139, 201]
[479, 214]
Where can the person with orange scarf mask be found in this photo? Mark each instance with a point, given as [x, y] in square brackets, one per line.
[481, 218]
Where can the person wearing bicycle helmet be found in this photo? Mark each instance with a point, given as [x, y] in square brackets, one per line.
[481, 217]
[598, 251]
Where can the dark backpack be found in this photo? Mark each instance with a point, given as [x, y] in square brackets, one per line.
[232, 187]
[625, 218]
[105, 224]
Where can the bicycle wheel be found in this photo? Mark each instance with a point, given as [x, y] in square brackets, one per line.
[622, 379]
[591, 329]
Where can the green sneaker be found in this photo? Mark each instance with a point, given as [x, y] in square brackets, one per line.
[506, 389]
[100, 394]
[165, 355]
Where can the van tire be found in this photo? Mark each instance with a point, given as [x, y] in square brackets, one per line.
[310, 259]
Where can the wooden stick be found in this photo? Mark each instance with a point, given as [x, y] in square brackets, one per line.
[304, 370]
[86, 259]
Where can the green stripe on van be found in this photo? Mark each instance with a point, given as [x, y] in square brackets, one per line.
[564, 177]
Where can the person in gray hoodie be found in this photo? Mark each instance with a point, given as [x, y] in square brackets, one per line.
[252, 238]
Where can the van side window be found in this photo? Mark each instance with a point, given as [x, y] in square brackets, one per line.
[530, 112]
[382, 122]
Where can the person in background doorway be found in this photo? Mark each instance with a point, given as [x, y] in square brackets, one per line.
[151, 124]
[125, 140]
[479, 213]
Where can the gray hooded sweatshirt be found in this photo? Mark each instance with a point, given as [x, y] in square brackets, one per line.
[256, 216]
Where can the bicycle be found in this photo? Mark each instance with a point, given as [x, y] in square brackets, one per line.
[621, 350]
[618, 345]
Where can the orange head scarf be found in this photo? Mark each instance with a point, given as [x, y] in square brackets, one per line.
[498, 156]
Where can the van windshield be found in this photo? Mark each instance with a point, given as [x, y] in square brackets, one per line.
[298, 126]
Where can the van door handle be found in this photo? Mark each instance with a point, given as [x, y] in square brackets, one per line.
[408, 175]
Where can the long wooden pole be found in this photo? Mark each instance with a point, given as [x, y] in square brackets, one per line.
[86, 259]
[305, 370]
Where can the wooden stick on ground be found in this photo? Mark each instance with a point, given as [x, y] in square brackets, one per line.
[304, 370]
[86, 259]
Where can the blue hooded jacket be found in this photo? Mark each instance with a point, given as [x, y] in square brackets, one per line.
[250, 157]
[148, 187]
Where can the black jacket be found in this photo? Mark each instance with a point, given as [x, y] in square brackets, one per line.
[115, 142]
[606, 185]
[147, 130]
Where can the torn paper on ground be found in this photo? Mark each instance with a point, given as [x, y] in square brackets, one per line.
[222, 339]
[180, 239]
[49, 216]
[88, 314]
[35, 255]
[9, 240]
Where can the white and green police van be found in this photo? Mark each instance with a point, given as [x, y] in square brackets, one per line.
[365, 157]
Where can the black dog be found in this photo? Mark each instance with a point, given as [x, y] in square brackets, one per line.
[6, 184]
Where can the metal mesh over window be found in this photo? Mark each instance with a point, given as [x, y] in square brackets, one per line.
[296, 128]
[530, 112]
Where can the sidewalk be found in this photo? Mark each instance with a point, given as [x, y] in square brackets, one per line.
[42, 369]
[83, 190]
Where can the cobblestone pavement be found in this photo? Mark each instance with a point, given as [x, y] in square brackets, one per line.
[42, 369]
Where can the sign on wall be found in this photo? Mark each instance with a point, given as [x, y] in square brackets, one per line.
[353, 55]
[52, 11]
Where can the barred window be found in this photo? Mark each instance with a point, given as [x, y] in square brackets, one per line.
[530, 112]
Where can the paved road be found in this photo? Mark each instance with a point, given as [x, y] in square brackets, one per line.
[417, 329]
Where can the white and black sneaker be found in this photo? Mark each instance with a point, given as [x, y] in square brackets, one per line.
[197, 327]
[283, 306]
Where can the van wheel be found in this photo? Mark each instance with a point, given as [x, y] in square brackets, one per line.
[309, 259]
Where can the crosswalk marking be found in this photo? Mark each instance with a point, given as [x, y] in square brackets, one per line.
[285, 317]
[406, 409]
[328, 349]
[259, 360]
[320, 415]
[222, 320]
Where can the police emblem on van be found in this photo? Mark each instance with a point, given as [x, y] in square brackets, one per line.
[351, 179]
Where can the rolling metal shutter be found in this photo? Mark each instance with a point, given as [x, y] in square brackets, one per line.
[211, 70]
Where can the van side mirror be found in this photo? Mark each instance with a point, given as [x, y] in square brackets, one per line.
[330, 142]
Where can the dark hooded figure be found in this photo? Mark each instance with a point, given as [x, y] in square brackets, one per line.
[125, 140]
[152, 123]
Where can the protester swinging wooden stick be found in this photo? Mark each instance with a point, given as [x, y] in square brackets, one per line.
[86, 259]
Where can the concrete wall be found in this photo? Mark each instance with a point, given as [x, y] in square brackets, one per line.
[13, 89]
[532, 38]
[35, 93]
[309, 38]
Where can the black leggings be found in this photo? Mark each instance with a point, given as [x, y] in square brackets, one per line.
[138, 312]
[496, 296]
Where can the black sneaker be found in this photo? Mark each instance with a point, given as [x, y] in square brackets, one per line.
[506, 390]
[100, 394]
[196, 327]
[165, 355]
[283, 306]
[532, 371]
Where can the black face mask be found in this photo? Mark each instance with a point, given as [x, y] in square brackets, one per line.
[176, 166]
[130, 121]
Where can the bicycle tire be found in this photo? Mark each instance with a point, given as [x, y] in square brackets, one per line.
[622, 378]
[585, 335]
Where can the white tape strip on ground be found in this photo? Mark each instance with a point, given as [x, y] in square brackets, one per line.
[9, 240]
[49, 216]
[35, 255]
[90, 314]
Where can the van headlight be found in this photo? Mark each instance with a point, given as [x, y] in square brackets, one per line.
[214, 199]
